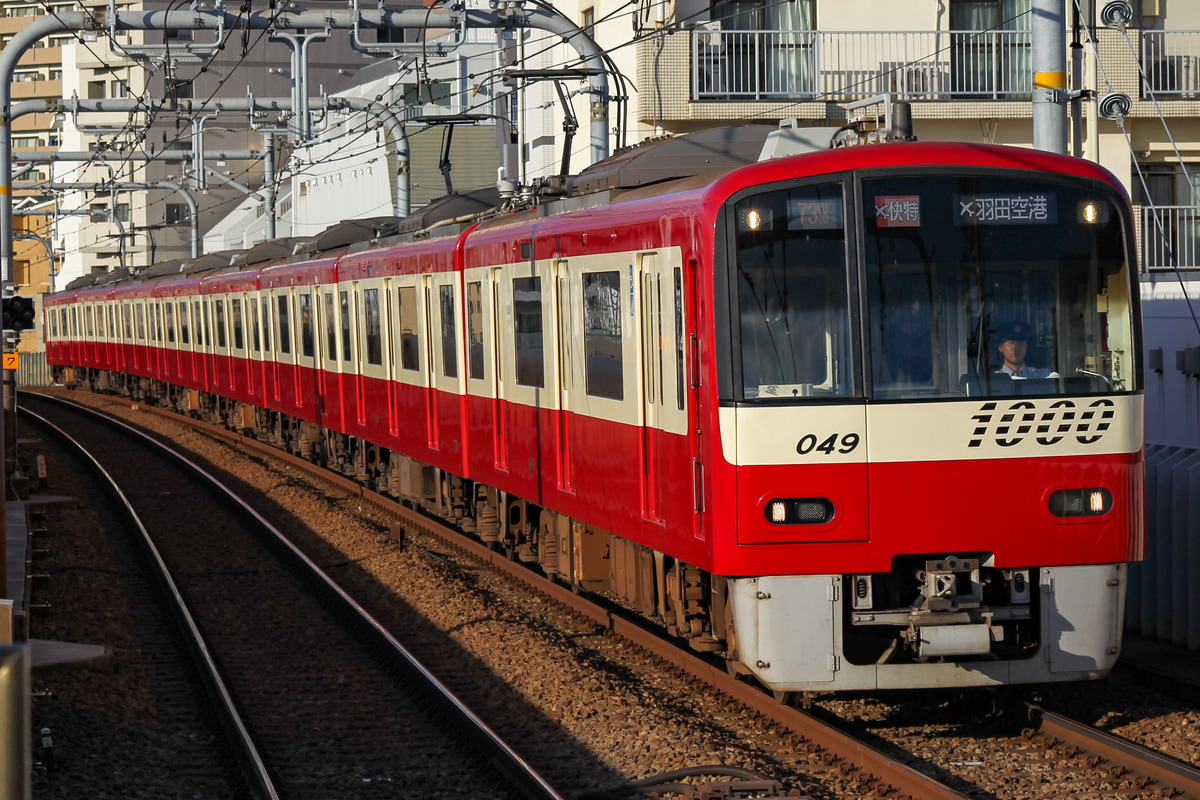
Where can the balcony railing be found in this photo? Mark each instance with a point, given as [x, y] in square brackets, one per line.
[1171, 63]
[1179, 237]
[790, 65]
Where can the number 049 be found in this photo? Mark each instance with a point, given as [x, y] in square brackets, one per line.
[845, 444]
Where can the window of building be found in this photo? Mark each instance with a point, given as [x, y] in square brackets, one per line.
[121, 212]
[95, 90]
[98, 212]
[176, 214]
[118, 89]
[26, 141]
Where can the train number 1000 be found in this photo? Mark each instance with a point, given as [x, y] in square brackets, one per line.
[845, 444]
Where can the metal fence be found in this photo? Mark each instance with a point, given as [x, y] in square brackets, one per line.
[1164, 596]
[1170, 62]
[1171, 240]
[770, 65]
[33, 371]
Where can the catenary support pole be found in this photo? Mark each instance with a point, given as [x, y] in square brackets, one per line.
[1049, 41]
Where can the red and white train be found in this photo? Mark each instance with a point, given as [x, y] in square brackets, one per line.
[763, 405]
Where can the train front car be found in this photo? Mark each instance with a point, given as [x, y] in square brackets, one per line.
[930, 417]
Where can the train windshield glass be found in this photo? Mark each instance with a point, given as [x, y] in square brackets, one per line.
[980, 286]
[792, 294]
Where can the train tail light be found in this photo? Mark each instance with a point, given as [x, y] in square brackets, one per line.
[800, 511]
[1081, 502]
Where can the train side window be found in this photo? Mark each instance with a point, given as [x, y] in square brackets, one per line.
[285, 334]
[208, 335]
[158, 321]
[252, 306]
[347, 346]
[266, 323]
[410, 338]
[306, 325]
[169, 308]
[475, 330]
[235, 314]
[198, 323]
[112, 325]
[89, 316]
[449, 337]
[371, 318]
[219, 319]
[330, 328]
[141, 321]
[602, 334]
[527, 309]
[184, 337]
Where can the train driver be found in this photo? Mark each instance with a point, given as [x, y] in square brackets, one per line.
[1013, 340]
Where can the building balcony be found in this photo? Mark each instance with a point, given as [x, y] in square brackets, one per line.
[843, 66]
[1171, 64]
[711, 73]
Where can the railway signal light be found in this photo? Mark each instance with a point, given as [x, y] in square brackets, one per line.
[18, 313]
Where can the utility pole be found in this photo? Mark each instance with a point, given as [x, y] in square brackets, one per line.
[1049, 41]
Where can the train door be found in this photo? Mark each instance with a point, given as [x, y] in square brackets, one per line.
[663, 379]
[499, 438]
[562, 313]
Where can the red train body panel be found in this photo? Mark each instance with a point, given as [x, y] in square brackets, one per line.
[783, 376]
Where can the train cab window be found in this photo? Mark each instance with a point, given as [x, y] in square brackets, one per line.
[285, 334]
[219, 319]
[330, 328]
[792, 294]
[235, 317]
[374, 338]
[602, 334]
[169, 310]
[527, 310]
[141, 321]
[449, 337]
[475, 330]
[409, 329]
[183, 323]
[956, 266]
[307, 340]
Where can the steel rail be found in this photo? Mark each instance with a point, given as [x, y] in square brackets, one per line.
[890, 777]
[1167, 772]
[254, 771]
[524, 778]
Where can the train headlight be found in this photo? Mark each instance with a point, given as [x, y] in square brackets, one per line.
[755, 219]
[1081, 502]
[800, 511]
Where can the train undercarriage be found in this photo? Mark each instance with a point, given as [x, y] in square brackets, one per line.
[934, 619]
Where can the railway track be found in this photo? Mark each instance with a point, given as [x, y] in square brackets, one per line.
[835, 751]
[1048, 763]
[316, 698]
